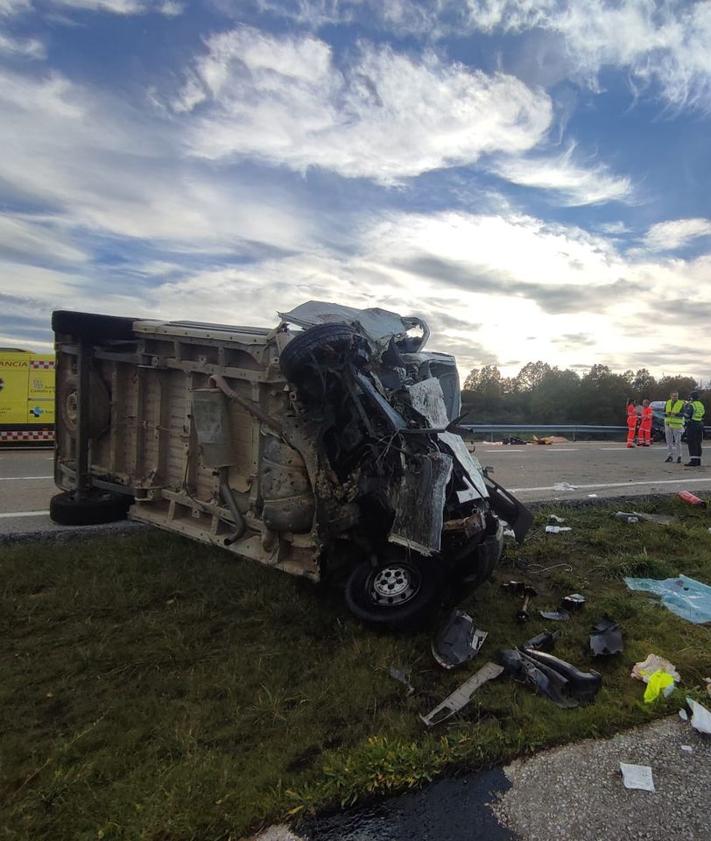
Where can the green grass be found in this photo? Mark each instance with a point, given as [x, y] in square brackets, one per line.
[155, 689]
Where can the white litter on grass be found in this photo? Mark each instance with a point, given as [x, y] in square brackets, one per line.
[637, 776]
[653, 663]
[564, 486]
[594, 496]
[687, 748]
[700, 716]
[509, 533]
[557, 529]
[553, 519]
[683, 715]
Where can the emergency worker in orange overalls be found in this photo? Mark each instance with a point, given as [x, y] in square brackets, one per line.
[631, 422]
[644, 436]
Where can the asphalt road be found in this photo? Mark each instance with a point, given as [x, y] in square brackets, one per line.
[531, 472]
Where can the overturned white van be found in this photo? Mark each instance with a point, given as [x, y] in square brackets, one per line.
[325, 447]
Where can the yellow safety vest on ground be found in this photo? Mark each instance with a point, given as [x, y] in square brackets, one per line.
[672, 408]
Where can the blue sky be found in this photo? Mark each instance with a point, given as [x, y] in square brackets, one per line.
[533, 177]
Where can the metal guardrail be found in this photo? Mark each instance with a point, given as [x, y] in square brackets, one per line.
[570, 428]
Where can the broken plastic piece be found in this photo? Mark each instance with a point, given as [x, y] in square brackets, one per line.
[558, 680]
[458, 641]
[564, 486]
[626, 517]
[572, 602]
[555, 520]
[606, 638]
[557, 529]
[545, 641]
[683, 715]
[659, 683]
[653, 663]
[637, 776]
[462, 695]
[555, 615]
[684, 596]
[700, 716]
[687, 748]
[402, 677]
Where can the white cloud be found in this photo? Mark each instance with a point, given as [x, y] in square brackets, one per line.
[575, 183]
[664, 43]
[103, 166]
[23, 47]
[385, 117]
[668, 236]
[37, 238]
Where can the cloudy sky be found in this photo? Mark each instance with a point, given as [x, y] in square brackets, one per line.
[533, 176]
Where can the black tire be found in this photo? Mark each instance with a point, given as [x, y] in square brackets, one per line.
[314, 344]
[399, 611]
[98, 507]
[92, 327]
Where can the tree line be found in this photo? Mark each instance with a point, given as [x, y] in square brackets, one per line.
[541, 393]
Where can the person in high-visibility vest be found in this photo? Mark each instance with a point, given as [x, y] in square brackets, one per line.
[673, 426]
[631, 422]
[694, 414]
[644, 435]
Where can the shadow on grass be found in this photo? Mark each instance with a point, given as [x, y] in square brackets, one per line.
[156, 689]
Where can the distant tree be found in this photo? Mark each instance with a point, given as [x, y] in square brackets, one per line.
[531, 376]
[680, 383]
[471, 383]
[644, 385]
[555, 397]
[490, 383]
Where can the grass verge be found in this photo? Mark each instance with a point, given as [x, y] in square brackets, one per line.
[153, 688]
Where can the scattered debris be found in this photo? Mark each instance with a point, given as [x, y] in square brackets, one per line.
[402, 677]
[550, 439]
[564, 486]
[636, 516]
[514, 439]
[457, 641]
[626, 518]
[691, 499]
[659, 683]
[557, 679]
[525, 590]
[683, 715]
[653, 663]
[557, 529]
[462, 695]
[700, 716]
[592, 496]
[510, 533]
[684, 596]
[545, 641]
[606, 638]
[687, 748]
[637, 776]
[555, 520]
[555, 615]
[575, 601]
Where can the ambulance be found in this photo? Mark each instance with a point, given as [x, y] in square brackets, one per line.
[26, 396]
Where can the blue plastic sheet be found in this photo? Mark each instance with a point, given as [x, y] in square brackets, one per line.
[684, 596]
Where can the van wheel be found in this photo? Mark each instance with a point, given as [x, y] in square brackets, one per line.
[323, 341]
[399, 594]
[97, 507]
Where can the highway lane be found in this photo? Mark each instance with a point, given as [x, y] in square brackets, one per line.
[533, 472]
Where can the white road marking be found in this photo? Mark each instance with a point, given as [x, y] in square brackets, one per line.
[22, 478]
[24, 514]
[562, 449]
[619, 484]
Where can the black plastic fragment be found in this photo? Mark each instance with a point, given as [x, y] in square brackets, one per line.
[574, 601]
[606, 638]
[545, 641]
[558, 680]
[555, 615]
[458, 641]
